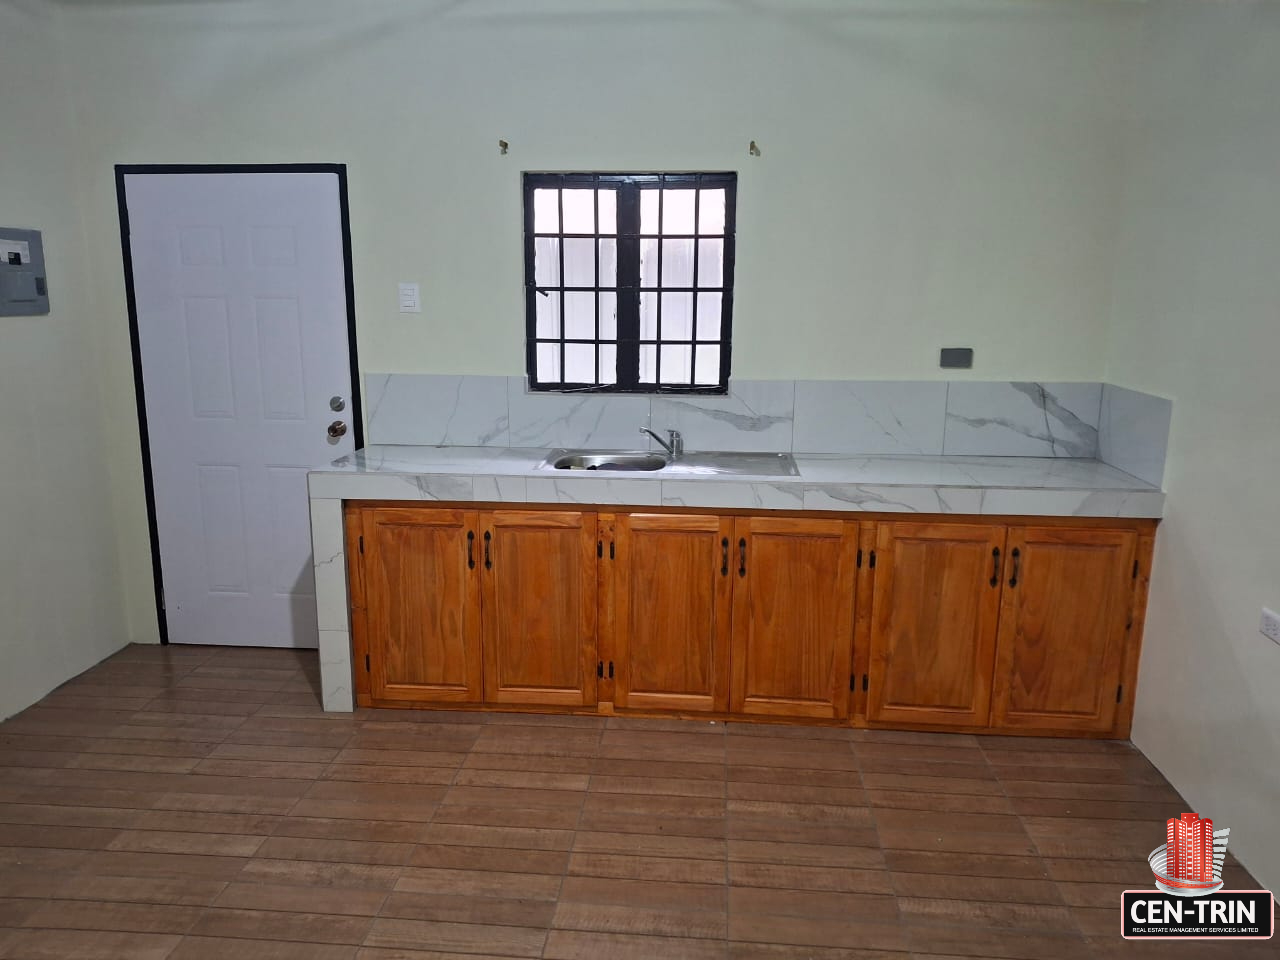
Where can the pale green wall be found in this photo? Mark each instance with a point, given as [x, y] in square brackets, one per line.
[60, 609]
[932, 173]
[1197, 319]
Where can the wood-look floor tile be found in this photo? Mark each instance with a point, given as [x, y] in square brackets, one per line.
[657, 786]
[224, 767]
[203, 844]
[612, 821]
[556, 818]
[782, 731]
[948, 841]
[806, 854]
[1156, 811]
[537, 764]
[500, 859]
[976, 941]
[133, 762]
[225, 803]
[88, 945]
[791, 877]
[478, 883]
[288, 754]
[656, 895]
[802, 812]
[373, 793]
[14, 911]
[793, 776]
[605, 918]
[316, 873]
[520, 838]
[987, 914]
[372, 831]
[26, 881]
[650, 845]
[273, 925]
[128, 863]
[461, 908]
[179, 891]
[505, 941]
[300, 899]
[362, 756]
[228, 948]
[1141, 793]
[738, 950]
[1004, 889]
[666, 768]
[525, 799]
[794, 831]
[659, 869]
[337, 851]
[818, 932]
[56, 836]
[943, 802]
[535, 782]
[361, 810]
[796, 793]
[114, 915]
[647, 806]
[965, 864]
[813, 903]
[587, 945]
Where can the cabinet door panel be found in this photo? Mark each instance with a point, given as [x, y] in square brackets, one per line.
[539, 602]
[792, 616]
[934, 619]
[1062, 627]
[422, 605]
[673, 586]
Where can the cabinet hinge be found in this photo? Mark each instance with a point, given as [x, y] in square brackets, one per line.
[366, 663]
[864, 683]
[871, 561]
[361, 539]
[1119, 692]
[859, 558]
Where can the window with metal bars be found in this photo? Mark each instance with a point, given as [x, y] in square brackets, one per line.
[629, 281]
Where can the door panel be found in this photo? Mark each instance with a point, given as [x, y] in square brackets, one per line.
[1062, 627]
[241, 304]
[792, 616]
[934, 613]
[672, 613]
[422, 600]
[539, 602]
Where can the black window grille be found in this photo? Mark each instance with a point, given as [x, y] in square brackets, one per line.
[629, 281]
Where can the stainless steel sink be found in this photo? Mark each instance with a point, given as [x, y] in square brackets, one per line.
[692, 464]
[605, 460]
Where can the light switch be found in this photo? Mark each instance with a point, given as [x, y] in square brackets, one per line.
[410, 302]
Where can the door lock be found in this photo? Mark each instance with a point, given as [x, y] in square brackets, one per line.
[337, 429]
[337, 404]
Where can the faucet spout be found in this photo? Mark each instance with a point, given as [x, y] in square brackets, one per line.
[674, 445]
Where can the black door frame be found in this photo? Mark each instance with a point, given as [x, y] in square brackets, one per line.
[357, 418]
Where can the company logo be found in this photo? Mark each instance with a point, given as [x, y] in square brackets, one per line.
[1189, 902]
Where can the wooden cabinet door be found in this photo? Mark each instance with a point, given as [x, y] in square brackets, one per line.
[933, 622]
[672, 589]
[1063, 620]
[539, 601]
[422, 603]
[792, 616]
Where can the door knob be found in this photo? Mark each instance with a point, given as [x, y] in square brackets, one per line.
[337, 404]
[337, 429]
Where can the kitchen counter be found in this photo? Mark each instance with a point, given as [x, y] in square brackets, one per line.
[996, 486]
[1005, 486]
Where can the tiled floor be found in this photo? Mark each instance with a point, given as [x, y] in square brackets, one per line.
[190, 803]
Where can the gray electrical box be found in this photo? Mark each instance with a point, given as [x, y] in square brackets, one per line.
[24, 291]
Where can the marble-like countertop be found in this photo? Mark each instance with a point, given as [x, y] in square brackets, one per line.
[1017, 486]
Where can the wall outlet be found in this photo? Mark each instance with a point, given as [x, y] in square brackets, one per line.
[1270, 624]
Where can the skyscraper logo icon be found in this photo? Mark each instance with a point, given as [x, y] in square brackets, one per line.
[1189, 864]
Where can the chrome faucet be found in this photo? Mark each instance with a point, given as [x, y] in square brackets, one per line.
[675, 448]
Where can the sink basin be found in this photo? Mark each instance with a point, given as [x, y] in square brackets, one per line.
[690, 465]
[606, 460]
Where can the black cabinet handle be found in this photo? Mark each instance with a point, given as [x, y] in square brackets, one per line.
[1017, 563]
[488, 560]
[995, 566]
[471, 548]
[742, 557]
[724, 556]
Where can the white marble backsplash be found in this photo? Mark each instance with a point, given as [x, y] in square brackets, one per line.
[1121, 427]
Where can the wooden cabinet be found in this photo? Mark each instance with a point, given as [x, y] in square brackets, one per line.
[539, 601]
[961, 623]
[934, 614]
[672, 588]
[422, 601]
[792, 616]
[1063, 621]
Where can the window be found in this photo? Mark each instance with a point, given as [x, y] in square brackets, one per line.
[629, 281]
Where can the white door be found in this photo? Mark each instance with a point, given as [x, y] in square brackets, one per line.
[240, 292]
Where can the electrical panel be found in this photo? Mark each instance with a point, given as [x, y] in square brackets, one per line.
[24, 291]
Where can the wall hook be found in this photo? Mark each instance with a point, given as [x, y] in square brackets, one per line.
[753, 149]
[502, 147]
